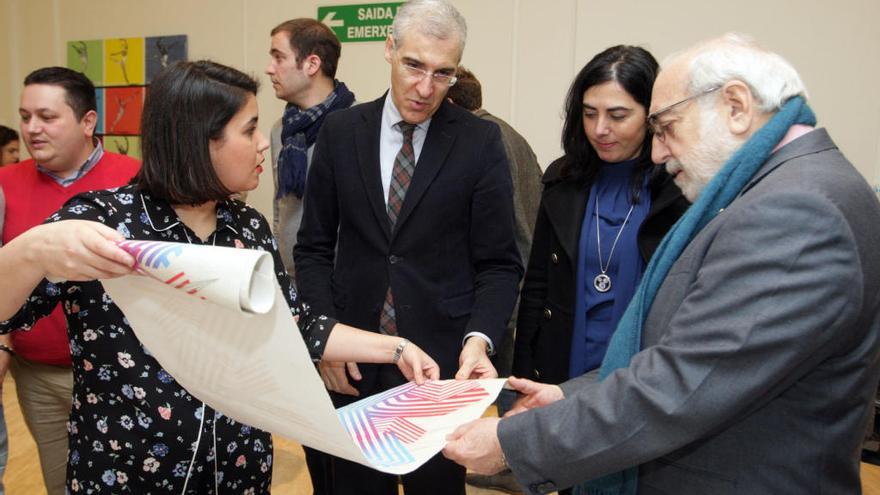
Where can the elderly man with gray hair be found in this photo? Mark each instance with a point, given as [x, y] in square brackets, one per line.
[748, 359]
[408, 227]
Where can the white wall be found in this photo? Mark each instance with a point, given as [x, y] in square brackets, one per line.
[525, 52]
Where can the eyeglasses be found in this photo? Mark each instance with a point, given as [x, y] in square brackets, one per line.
[418, 74]
[657, 128]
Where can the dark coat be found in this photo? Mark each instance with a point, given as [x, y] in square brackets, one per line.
[546, 312]
[760, 354]
[452, 260]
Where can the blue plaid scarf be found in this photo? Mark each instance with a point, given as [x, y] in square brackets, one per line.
[719, 193]
[299, 129]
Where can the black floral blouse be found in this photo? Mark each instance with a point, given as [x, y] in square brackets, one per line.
[132, 428]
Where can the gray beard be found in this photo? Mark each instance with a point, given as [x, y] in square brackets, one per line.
[705, 159]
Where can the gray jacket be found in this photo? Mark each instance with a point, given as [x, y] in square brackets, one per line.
[760, 352]
[526, 175]
[287, 210]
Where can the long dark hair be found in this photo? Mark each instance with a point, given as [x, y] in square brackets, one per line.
[632, 67]
[187, 105]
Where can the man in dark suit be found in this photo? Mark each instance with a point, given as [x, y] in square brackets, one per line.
[758, 359]
[408, 226]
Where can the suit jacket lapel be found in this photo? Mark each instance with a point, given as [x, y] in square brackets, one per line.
[565, 206]
[813, 142]
[438, 142]
[367, 137]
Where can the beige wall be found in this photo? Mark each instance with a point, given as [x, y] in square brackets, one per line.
[524, 51]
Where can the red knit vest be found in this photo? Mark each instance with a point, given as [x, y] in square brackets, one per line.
[30, 198]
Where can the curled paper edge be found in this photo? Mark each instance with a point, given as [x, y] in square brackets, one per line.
[258, 296]
[238, 279]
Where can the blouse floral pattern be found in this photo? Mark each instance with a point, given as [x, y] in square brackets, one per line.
[132, 428]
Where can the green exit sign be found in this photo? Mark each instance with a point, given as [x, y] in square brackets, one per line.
[364, 22]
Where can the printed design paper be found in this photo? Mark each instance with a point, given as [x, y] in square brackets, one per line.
[386, 426]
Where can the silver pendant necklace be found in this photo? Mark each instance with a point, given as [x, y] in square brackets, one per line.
[602, 282]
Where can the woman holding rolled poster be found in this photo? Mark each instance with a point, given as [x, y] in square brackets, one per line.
[132, 427]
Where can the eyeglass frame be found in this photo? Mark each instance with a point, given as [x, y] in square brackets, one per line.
[421, 74]
[651, 119]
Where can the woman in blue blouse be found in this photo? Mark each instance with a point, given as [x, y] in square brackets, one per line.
[603, 211]
[133, 428]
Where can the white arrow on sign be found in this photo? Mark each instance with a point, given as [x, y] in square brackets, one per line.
[331, 22]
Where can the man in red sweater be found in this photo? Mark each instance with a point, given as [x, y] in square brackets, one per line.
[58, 119]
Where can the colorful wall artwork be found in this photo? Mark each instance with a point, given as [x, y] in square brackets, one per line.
[124, 62]
[120, 69]
[99, 100]
[87, 57]
[163, 50]
[124, 145]
[122, 110]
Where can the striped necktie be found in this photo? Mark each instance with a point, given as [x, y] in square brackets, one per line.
[401, 175]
